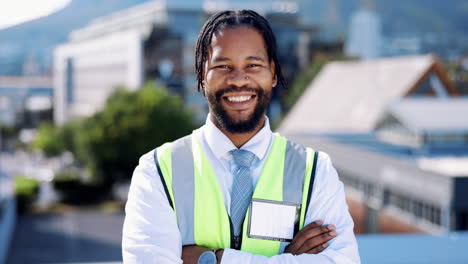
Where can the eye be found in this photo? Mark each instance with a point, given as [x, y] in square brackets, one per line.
[222, 67]
[253, 65]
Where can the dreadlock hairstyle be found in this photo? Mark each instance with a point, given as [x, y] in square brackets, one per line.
[232, 18]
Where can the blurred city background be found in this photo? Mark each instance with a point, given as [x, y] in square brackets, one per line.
[87, 87]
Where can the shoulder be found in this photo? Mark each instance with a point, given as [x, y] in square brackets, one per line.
[146, 166]
[326, 175]
[323, 159]
[147, 159]
[323, 163]
[324, 169]
[182, 142]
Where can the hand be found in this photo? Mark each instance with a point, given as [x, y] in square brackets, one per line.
[190, 254]
[312, 239]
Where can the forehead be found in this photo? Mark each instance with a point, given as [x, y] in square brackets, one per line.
[237, 41]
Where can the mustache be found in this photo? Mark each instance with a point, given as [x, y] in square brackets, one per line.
[221, 92]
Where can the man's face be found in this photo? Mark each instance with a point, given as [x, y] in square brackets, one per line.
[238, 79]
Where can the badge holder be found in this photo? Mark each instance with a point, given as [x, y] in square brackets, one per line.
[272, 220]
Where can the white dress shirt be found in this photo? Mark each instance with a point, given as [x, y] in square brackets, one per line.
[150, 232]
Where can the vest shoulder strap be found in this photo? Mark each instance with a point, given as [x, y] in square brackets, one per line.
[161, 176]
[309, 178]
[163, 156]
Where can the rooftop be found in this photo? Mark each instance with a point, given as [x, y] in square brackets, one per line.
[434, 115]
[352, 96]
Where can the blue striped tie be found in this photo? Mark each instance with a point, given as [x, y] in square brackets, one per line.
[242, 188]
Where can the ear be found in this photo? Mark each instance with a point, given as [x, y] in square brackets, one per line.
[203, 87]
[273, 71]
[203, 81]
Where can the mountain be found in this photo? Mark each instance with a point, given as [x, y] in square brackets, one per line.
[442, 25]
[36, 39]
[397, 15]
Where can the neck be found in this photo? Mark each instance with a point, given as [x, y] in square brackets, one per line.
[239, 139]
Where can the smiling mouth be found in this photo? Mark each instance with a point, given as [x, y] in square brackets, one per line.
[239, 99]
[239, 102]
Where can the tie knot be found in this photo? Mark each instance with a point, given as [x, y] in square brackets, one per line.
[243, 158]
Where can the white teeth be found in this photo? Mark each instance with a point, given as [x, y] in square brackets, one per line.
[238, 98]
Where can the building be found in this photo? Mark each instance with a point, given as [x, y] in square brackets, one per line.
[429, 125]
[154, 40]
[25, 101]
[351, 96]
[102, 56]
[364, 38]
[397, 137]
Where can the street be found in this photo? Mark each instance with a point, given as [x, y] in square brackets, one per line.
[77, 236]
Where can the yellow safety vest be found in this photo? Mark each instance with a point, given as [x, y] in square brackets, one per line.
[193, 191]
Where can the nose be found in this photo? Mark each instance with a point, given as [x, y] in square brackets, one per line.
[238, 78]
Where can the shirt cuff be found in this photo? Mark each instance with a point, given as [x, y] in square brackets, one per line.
[232, 256]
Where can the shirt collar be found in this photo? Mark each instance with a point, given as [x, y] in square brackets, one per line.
[220, 144]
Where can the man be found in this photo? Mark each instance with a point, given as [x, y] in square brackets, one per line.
[234, 192]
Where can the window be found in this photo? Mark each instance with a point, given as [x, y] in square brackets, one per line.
[69, 81]
[419, 209]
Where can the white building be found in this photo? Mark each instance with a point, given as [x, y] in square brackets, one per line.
[397, 135]
[428, 124]
[352, 96]
[102, 56]
[154, 40]
[364, 38]
[25, 100]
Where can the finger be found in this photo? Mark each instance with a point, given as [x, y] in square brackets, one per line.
[318, 248]
[305, 236]
[306, 228]
[292, 246]
[316, 241]
[313, 224]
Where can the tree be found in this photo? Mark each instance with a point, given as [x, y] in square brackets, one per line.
[110, 142]
[49, 140]
[131, 124]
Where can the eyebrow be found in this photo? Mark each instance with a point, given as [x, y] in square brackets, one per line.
[256, 58]
[223, 59]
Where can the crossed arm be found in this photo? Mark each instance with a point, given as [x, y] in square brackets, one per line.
[151, 235]
[312, 239]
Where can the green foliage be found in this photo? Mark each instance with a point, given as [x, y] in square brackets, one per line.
[110, 142]
[131, 124]
[26, 191]
[304, 78]
[8, 137]
[73, 190]
[49, 139]
[8, 131]
[66, 180]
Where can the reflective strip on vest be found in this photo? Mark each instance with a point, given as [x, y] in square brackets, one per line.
[193, 188]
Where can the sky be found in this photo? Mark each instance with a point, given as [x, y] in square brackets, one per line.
[13, 12]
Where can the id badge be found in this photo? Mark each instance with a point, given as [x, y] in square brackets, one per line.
[272, 220]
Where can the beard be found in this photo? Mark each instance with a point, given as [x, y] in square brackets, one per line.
[238, 126]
